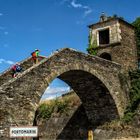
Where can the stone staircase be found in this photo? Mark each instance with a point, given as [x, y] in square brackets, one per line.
[25, 64]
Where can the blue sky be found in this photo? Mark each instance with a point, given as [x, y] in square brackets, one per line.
[52, 24]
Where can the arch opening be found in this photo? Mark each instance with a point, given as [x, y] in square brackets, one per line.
[97, 105]
[106, 56]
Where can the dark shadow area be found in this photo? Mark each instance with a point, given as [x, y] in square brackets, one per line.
[94, 95]
[98, 107]
[106, 56]
[77, 126]
[96, 99]
[139, 63]
[104, 37]
[35, 123]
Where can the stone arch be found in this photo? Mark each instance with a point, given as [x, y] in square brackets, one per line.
[27, 89]
[95, 97]
[106, 56]
[84, 69]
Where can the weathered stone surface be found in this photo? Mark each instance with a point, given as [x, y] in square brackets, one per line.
[95, 80]
[7, 75]
[122, 42]
[71, 126]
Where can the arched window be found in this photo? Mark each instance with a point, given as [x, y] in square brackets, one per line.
[106, 56]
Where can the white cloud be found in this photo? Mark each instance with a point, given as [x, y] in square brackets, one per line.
[9, 62]
[50, 97]
[76, 5]
[53, 92]
[6, 61]
[87, 9]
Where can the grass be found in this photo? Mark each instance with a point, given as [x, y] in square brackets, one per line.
[58, 106]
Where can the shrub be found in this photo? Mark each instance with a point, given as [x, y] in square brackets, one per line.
[92, 47]
[45, 111]
[134, 95]
[61, 106]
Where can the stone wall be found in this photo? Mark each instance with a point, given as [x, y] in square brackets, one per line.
[95, 80]
[122, 46]
[128, 50]
[73, 124]
[7, 75]
[114, 31]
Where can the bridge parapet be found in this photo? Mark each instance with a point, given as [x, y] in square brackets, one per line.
[25, 64]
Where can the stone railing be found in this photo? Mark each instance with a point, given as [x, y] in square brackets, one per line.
[27, 64]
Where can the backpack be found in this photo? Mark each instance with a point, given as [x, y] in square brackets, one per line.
[33, 54]
[18, 68]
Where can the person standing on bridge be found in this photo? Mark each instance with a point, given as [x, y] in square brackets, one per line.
[35, 56]
[16, 69]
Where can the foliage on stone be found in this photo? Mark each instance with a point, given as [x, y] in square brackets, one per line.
[44, 111]
[135, 90]
[61, 106]
[134, 95]
[136, 24]
[56, 106]
[92, 47]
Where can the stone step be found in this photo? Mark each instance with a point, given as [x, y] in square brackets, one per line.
[25, 64]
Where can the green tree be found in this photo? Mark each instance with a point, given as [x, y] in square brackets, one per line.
[136, 24]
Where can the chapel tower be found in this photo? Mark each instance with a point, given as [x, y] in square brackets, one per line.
[115, 39]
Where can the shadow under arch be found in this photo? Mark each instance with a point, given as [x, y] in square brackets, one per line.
[94, 95]
[97, 106]
[105, 80]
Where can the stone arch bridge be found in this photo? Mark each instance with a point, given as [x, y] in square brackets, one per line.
[95, 80]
